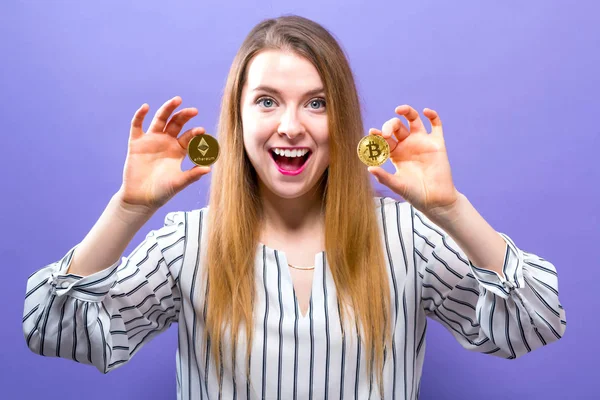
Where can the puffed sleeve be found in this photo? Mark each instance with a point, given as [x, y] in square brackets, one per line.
[505, 316]
[105, 318]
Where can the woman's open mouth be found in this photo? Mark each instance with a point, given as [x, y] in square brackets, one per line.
[290, 165]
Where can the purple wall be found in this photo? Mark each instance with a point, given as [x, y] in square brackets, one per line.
[515, 83]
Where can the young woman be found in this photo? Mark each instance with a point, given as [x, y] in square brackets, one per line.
[296, 282]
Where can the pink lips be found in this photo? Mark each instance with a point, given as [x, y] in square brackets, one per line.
[292, 173]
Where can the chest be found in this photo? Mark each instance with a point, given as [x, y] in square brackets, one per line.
[302, 281]
[297, 267]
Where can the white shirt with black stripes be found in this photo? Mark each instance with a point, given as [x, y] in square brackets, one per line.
[105, 318]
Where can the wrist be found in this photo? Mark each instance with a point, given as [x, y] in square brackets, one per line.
[448, 215]
[131, 213]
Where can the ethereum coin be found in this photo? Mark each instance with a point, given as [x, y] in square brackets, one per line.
[373, 150]
[203, 150]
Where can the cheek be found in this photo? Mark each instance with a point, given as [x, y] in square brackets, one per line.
[263, 124]
[326, 155]
[249, 129]
[319, 128]
[323, 137]
[257, 129]
[324, 145]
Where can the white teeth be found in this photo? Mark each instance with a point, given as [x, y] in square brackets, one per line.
[291, 153]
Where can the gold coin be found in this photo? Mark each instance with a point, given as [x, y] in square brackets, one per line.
[203, 150]
[373, 150]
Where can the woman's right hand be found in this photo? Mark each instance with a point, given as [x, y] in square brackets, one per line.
[152, 174]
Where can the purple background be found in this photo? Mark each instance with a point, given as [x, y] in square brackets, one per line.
[515, 84]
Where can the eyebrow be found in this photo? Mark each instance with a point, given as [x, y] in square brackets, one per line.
[278, 93]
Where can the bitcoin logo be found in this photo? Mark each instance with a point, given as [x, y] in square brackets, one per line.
[373, 147]
[373, 150]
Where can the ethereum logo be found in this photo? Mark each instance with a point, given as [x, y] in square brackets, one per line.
[203, 147]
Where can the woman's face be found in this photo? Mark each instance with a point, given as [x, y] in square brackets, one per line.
[283, 111]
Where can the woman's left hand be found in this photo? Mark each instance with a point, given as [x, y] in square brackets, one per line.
[422, 176]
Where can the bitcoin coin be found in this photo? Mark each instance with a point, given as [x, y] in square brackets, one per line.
[373, 150]
[203, 150]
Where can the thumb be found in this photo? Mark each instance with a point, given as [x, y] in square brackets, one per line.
[191, 175]
[387, 179]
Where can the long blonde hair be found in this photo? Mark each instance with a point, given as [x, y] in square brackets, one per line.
[234, 216]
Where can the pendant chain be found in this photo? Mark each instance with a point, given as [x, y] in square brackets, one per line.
[302, 268]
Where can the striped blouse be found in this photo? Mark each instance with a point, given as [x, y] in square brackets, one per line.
[105, 318]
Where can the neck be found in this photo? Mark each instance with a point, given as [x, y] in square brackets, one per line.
[290, 217]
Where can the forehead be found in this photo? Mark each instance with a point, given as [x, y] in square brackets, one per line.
[282, 70]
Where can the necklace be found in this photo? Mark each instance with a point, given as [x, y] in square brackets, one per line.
[302, 268]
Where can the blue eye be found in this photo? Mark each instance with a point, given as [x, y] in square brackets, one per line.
[314, 104]
[265, 102]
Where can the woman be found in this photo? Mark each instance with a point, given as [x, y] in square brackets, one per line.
[296, 281]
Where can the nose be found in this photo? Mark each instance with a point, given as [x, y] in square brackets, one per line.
[290, 125]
